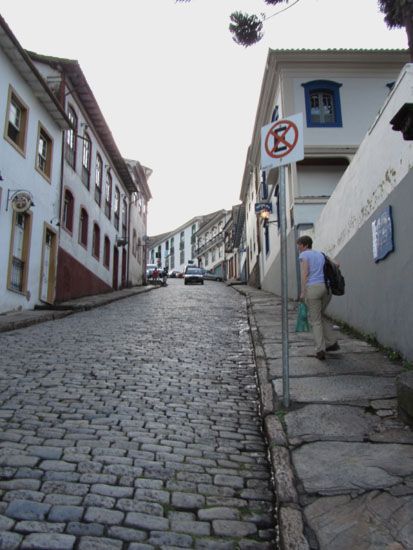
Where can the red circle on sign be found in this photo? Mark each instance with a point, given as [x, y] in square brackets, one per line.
[282, 146]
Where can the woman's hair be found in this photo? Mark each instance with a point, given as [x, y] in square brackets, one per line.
[305, 240]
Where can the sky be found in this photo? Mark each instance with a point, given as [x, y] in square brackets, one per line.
[176, 91]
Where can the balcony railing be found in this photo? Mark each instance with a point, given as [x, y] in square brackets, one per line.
[217, 239]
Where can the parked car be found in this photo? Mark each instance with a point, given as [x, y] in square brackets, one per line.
[173, 274]
[211, 276]
[193, 275]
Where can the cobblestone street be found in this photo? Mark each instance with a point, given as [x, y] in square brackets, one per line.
[135, 426]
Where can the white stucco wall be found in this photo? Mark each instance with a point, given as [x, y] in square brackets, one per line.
[137, 257]
[18, 172]
[317, 181]
[361, 96]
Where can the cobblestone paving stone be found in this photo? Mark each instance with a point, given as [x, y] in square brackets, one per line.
[135, 426]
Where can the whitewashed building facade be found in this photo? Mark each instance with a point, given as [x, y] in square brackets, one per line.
[97, 187]
[175, 249]
[30, 152]
[210, 243]
[138, 217]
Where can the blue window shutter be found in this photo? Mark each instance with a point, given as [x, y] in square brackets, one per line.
[264, 186]
[275, 114]
[323, 86]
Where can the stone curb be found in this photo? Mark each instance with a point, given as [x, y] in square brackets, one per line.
[289, 517]
[24, 319]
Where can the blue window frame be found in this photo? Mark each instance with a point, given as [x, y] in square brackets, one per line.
[267, 239]
[263, 186]
[275, 114]
[322, 104]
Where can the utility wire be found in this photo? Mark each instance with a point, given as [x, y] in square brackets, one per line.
[284, 9]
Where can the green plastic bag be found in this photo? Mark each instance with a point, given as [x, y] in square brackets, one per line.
[302, 324]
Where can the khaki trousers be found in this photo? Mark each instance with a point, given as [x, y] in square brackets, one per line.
[317, 299]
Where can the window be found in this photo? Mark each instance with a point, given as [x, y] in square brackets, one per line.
[16, 121]
[139, 250]
[96, 241]
[134, 243]
[322, 103]
[98, 179]
[68, 207]
[264, 186]
[70, 152]
[86, 156]
[267, 238]
[116, 208]
[19, 252]
[83, 227]
[124, 218]
[106, 252]
[108, 194]
[44, 153]
[182, 257]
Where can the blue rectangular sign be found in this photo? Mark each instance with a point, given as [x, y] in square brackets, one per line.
[382, 230]
[260, 206]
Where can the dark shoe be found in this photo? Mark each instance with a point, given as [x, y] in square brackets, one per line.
[321, 355]
[333, 347]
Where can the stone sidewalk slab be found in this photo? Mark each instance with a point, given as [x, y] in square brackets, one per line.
[351, 389]
[371, 521]
[305, 347]
[329, 422]
[341, 454]
[338, 363]
[336, 467]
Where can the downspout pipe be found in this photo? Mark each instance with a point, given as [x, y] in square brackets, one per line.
[129, 242]
[60, 214]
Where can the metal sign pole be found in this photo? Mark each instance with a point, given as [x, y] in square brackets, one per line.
[284, 289]
[282, 143]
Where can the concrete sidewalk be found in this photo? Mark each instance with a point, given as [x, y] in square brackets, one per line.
[25, 318]
[342, 458]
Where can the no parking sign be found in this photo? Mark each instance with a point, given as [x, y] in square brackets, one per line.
[282, 142]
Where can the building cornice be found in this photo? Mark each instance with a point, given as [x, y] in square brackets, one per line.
[24, 65]
[71, 69]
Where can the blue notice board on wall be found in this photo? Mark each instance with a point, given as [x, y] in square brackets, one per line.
[382, 232]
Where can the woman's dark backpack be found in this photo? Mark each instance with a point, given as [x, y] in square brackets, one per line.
[333, 277]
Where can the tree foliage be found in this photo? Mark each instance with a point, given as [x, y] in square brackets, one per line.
[396, 12]
[248, 29]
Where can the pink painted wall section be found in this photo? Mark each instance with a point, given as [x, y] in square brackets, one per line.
[74, 280]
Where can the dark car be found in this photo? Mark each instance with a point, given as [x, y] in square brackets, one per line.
[211, 276]
[193, 276]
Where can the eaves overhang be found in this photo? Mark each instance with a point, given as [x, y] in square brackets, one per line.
[80, 86]
[142, 174]
[25, 67]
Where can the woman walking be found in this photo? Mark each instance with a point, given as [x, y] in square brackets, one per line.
[316, 295]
